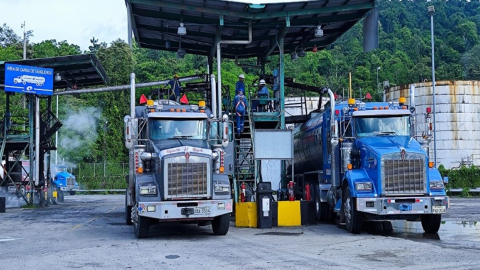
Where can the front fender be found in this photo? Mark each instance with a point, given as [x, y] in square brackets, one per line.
[141, 179]
[221, 179]
[359, 176]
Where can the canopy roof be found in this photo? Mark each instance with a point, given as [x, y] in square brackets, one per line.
[154, 22]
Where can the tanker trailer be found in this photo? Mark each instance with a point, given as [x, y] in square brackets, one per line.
[363, 164]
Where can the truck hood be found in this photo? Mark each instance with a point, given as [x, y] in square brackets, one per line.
[382, 145]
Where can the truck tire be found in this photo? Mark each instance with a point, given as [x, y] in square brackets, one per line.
[431, 223]
[72, 192]
[221, 224]
[128, 212]
[318, 204]
[141, 225]
[353, 218]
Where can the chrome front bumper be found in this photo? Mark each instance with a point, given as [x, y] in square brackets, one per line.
[173, 210]
[404, 205]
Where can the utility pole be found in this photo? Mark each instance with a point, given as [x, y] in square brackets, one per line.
[24, 41]
[431, 11]
[24, 57]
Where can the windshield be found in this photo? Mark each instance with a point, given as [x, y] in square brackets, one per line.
[161, 129]
[61, 169]
[380, 126]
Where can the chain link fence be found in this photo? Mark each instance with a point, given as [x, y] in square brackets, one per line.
[92, 176]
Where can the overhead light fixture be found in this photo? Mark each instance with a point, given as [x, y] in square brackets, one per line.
[58, 77]
[319, 31]
[182, 30]
[294, 56]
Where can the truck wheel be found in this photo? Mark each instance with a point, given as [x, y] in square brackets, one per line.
[72, 192]
[431, 223]
[141, 225]
[221, 224]
[318, 204]
[387, 227]
[353, 218]
[128, 212]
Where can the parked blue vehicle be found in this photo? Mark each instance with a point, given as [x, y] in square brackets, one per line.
[363, 163]
[63, 181]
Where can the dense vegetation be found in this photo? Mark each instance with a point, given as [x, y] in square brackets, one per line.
[404, 57]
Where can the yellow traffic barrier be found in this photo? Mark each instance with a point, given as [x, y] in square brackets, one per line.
[246, 214]
[289, 213]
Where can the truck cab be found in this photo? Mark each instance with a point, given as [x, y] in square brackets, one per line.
[64, 181]
[177, 170]
[385, 174]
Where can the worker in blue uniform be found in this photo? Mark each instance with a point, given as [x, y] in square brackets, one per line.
[240, 104]
[175, 87]
[262, 92]
[240, 85]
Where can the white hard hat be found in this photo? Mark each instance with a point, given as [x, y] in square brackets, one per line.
[241, 76]
[262, 81]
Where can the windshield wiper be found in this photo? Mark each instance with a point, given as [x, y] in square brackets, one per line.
[386, 132]
[182, 136]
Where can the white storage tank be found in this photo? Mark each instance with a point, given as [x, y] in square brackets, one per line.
[457, 118]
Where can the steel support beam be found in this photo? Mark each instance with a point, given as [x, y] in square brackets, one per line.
[218, 37]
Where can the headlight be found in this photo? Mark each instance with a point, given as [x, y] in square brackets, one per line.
[363, 186]
[148, 190]
[221, 188]
[437, 185]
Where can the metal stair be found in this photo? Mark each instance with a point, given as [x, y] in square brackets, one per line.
[245, 164]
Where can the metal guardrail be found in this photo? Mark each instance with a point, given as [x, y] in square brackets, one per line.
[460, 190]
[100, 190]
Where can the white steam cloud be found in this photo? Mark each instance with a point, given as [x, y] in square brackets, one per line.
[79, 129]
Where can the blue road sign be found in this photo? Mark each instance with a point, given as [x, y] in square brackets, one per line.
[28, 80]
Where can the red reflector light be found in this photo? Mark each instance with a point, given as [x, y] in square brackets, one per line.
[337, 112]
[429, 110]
[417, 200]
[389, 201]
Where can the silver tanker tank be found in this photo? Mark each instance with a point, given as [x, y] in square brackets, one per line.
[307, 144]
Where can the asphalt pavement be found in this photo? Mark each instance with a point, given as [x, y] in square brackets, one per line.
[89, 232]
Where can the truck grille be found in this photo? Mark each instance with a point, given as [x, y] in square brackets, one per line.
[403, 175]
[70, 181]
[187, 179]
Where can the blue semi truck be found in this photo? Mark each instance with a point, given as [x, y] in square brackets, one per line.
[363, 163]
[63, 181]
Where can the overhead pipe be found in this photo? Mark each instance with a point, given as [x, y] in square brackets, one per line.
[127, 86]
[219, 59]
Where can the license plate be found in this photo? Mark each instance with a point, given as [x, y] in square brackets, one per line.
[439, 209]
[405, 207]
[202, 210]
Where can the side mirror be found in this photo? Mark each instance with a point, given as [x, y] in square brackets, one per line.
[225, 127]
[445, 179]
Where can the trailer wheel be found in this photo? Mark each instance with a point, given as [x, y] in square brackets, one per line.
[221, 224]
[353, 218]
[431, 223]
[128, 211]
[141, 225]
